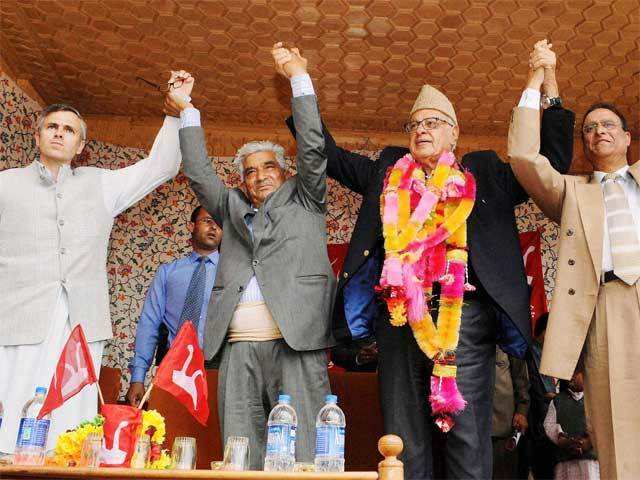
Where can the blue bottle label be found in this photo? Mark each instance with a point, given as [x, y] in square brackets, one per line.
[281, 439]
[32, 432]
[329, 441]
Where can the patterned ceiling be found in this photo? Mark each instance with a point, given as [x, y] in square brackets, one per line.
[368, 58]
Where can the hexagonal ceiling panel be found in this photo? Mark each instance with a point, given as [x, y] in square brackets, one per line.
[368, 58]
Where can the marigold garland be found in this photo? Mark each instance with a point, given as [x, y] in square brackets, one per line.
[425, 240]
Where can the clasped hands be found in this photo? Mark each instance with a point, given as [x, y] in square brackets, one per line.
[287, 61]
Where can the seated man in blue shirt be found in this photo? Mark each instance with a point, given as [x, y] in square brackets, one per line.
[181, 289]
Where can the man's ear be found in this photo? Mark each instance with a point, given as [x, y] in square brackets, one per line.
[37, 137]
[80, 147]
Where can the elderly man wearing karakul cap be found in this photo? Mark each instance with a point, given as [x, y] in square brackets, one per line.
[434, 254]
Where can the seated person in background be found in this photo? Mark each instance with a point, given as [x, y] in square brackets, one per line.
[566, 427]
[180, 290]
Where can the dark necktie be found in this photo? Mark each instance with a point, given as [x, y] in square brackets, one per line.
[195, 294]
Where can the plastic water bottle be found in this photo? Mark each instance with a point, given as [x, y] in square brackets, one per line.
[281, 438]
[330, 428]
[32, 434]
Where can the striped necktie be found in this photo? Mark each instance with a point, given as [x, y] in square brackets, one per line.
[195, 294]
[625, 246]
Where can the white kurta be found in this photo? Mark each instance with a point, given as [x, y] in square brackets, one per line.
[33, 367]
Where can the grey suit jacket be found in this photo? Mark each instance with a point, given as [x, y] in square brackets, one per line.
[288, 250]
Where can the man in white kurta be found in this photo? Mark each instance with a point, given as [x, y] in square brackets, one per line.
[55, 223]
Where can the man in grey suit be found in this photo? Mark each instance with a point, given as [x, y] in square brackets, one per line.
[270, 305]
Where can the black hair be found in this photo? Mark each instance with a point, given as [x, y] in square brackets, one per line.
[194, 214]
[607, 106]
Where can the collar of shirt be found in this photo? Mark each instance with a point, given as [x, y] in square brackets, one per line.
[45, 174]
[212, 257]
[577, 396]
[623, 172]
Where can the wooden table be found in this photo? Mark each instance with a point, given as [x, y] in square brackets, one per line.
[390, 468]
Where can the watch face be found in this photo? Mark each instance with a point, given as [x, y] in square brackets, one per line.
[544, 101]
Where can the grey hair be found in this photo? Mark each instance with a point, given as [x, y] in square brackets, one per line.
[255, 147]
[63, 107]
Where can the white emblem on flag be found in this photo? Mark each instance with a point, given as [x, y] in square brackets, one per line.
[186, 382]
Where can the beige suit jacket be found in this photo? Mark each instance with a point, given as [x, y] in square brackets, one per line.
[578, 205]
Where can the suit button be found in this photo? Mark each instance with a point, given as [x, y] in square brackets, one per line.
[240, 288]
[571, 262]
[572, 291]
[345, 275]
[256, 263]
[59, 195]
[61, 222]
[63, 250]
[569, 232]
[366, 253]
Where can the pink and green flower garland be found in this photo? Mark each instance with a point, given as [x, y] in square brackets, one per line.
[425, 240]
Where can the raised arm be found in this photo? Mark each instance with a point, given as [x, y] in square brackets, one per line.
[126, 186]
[311, 160]
[211, 192]
[351, 169]
[534, 172]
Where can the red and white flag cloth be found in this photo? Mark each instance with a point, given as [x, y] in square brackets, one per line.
[532, 257]
[182, 373]
[121, 431]
[73, 372]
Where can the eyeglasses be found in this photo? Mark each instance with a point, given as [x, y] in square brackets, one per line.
[429, 123]
[165, 87]
[606, 124]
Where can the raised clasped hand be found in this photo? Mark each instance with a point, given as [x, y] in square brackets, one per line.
[178, 92]
[288, 61]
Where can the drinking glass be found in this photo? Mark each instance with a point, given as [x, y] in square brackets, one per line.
[183, 454]
[236, 454]
[141, 452]
[90, 452]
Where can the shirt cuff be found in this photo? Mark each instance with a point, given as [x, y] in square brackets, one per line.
[190, 117]
[530, 98]
[138, 374]
[302, 85]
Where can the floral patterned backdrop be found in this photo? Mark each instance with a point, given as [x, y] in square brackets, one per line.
[154, 231]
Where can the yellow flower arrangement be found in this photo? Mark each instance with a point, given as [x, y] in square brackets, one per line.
[69, 444]
[153, 419]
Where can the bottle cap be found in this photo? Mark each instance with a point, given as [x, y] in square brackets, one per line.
[282, 398]
[41, 390]
[331, 399]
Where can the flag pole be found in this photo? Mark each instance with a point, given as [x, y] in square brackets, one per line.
[100, 393]
[145, 397]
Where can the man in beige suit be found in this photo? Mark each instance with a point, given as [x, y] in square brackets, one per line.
[594, 321]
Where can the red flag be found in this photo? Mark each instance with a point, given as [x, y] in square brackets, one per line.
[530, 247]
[73, 372]
[121, 425]
[182, 373]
